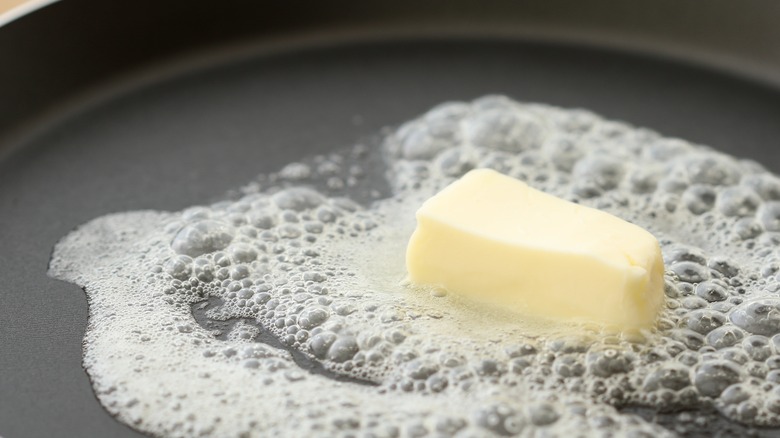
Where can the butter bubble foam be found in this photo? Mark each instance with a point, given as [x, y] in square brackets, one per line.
[281, 311]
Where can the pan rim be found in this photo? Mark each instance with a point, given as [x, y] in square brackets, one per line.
[218, 56]
[22, 9]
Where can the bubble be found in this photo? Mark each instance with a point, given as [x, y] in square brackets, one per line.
[421, 369]
[711, 170]
[690, 272]
[516, 350]
[760, 317]
[699, 199]
[712, 290]
[734, 354]
[603, 172]
[506, 131]
[289, 232]
[202, 237]
[665, 149]
[725, 336]
[563, 152]
[295, 171]
[757, 347]
[239, 272]
[342, 349]
[565, 366]
[450, 426]
[724, 266]
[765, 185]
[179, 267]
[674, 185]
[608, 362]
[297, 199]
[670, 376]
[704, 321]
[313, 317]
[420, 142]
[735, 394]
[684, 253]
[500, 419]
[712, 378]
[747, 228]
[769, 215]
[643, 181]
[321, 342]
[543, 414]
[454, 163]
[690, 338]
[262, 220]
[737, 201]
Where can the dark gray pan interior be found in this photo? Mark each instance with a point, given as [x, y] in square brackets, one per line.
[98, 116]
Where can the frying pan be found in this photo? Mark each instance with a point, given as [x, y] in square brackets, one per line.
[127, 105]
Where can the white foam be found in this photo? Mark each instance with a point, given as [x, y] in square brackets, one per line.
[305, 327]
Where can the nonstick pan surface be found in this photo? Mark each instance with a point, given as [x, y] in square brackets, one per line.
[145, 106]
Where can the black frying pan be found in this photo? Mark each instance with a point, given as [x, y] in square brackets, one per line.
[126, 105]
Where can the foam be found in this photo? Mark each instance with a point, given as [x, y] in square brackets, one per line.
[282, 311]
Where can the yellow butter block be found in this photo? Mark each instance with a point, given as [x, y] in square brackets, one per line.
[497, 240]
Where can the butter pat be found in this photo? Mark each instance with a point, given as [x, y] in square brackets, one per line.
[496, 240]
